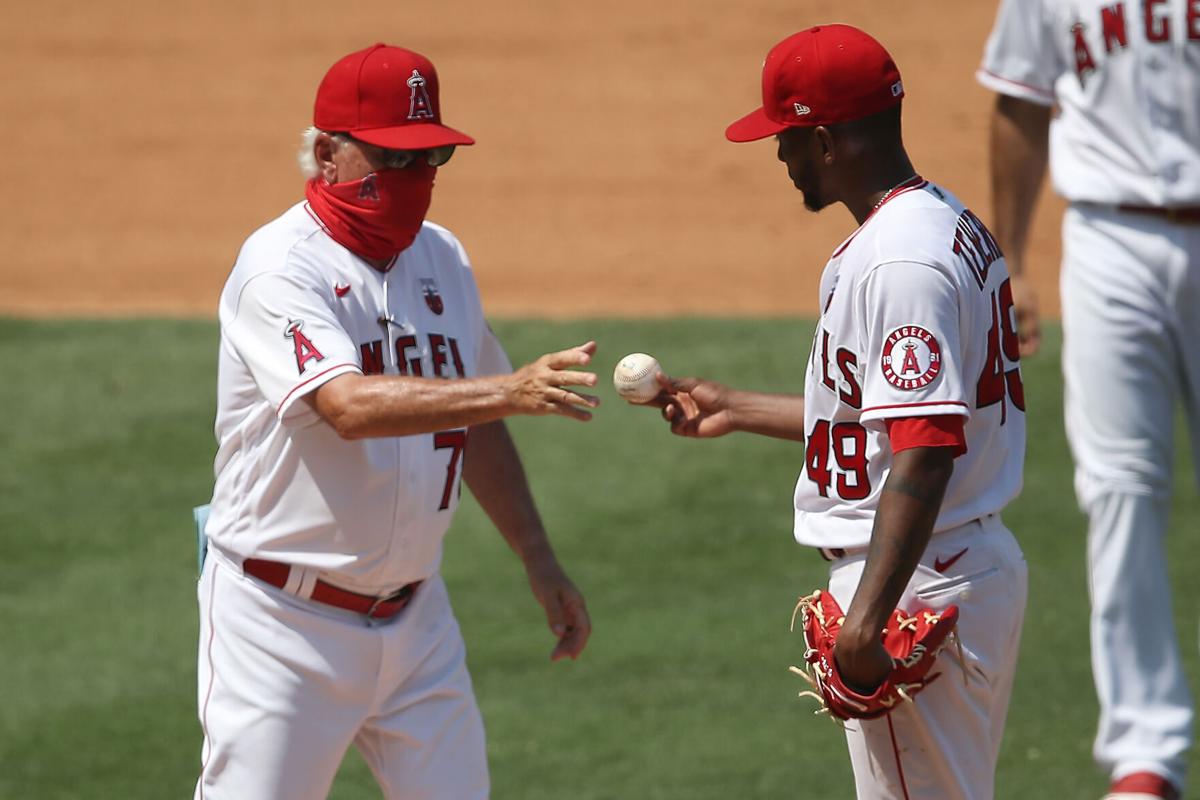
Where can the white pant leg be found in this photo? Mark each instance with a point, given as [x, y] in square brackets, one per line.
[1146, 721]
[282, 690]
[1122, 371]
[945, 745]
[425, 739]
[287, 684]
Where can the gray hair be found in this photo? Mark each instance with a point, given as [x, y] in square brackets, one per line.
[309, 167]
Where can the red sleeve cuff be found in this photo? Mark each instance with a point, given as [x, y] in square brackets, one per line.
[944, 430]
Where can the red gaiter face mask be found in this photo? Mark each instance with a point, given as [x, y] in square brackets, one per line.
[378, 216]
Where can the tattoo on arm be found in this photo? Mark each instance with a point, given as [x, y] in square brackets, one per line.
[927, 493]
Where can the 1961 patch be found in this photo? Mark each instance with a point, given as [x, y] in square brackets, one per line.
[912, 358]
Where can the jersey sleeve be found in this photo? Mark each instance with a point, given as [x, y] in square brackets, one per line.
[943, 430]
[1020, 59]
[492, 358]
[911, 336]
[290, 341]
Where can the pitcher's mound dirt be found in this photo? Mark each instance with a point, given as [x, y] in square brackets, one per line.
[147, 139]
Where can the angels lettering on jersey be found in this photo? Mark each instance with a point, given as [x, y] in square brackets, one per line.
[1115, 22]
[433, 355]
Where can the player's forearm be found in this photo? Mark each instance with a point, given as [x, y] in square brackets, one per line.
[908, 508]
[1019, 145]
[361, 407]
[780, 416]
[496, 478]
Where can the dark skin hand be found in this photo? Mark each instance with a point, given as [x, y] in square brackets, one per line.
[908, 508]
[703, 409]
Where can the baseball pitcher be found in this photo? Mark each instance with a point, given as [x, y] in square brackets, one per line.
[914, 429]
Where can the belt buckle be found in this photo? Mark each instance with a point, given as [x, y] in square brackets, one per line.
[398, 596]
[374, 606]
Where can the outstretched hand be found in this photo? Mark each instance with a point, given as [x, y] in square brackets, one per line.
[539, 388]
[695, 407]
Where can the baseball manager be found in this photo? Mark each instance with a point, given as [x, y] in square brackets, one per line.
[358, 385]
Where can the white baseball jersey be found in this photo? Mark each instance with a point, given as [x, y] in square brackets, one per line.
[1126, 78]
[297, 311]
[917, 321]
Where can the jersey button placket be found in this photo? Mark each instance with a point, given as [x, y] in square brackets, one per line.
[396, 539]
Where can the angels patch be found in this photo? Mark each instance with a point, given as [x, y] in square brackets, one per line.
[912, 358]
[305, 350]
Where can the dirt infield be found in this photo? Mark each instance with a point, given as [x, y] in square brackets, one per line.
[148, 139]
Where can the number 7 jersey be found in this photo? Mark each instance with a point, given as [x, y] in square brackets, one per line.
[917, 320]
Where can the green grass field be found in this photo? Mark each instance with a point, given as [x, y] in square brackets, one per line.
[683, 548]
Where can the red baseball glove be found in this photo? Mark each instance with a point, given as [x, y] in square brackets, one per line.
[913, 642]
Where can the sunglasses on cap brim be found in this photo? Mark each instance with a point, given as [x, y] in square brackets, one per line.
[399, 159]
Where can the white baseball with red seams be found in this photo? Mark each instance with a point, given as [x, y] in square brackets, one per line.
[635, 379]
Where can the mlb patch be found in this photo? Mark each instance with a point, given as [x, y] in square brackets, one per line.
[912, 358]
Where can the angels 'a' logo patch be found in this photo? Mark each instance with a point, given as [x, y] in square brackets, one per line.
[369, 188]
[305, 350]
[912, 358]
[429, 290]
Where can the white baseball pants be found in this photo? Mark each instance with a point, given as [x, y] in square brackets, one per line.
[944, 745]
[1131, 323]
[287, 685]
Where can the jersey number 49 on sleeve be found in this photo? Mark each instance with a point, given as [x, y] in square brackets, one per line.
[847, 441]
[997, 384]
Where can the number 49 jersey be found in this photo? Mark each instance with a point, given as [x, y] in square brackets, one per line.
[917, 320]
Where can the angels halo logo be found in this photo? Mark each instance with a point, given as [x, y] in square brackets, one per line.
[419, 105]
[911, 358]
[429, 290]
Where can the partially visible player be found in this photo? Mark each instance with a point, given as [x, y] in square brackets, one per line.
[912, 415]
[358, 386]
[1124, 149]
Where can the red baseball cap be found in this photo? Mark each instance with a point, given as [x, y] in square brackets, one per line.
[386, 96]
[821, 76]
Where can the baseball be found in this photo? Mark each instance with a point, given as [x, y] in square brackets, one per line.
[634, 378]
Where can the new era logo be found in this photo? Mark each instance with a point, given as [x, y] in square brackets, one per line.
[897, 89]
[802, 109]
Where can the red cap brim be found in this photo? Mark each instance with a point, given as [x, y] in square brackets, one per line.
[752, 127]
[420, 136]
